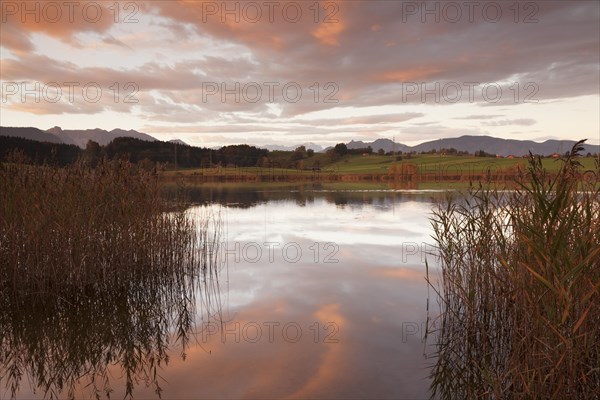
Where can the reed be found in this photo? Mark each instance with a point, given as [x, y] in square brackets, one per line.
[97, 270]
[520, 288]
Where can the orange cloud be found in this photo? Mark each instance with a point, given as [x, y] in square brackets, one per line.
[61, 20]
[406, 75]
[329, 367]
[328, 33]
[330, 28]
[262, 26]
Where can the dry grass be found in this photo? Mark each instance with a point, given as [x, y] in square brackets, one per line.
[96, 269]
[520, 293]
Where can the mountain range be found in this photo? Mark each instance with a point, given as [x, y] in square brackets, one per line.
[471, 144]
[276, 147]
[76, 137]
[100, 136]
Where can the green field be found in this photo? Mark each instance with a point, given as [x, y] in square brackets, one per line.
[435, 163]
[354, 165]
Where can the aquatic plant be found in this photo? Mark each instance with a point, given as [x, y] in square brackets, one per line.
[520, 288]
[97, 270]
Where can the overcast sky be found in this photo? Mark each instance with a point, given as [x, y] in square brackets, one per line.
[276, 72]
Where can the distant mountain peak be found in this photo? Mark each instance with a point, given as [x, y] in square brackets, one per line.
[279, 147]
[31, 134]
[101, 136]
[473, 143]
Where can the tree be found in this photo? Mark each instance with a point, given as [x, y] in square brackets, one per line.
[299, 153]
[264, 162]
[381, 152]
[91, 154]
[481, 153]
[310, 153]
[340, 149]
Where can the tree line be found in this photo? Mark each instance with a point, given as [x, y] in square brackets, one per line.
[169, 154]
[174, 155]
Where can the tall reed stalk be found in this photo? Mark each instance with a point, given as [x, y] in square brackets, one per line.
[520, 291]
[97, 269]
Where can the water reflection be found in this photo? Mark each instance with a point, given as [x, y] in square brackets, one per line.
[89, 339]
[308, 321]
[323, 297]
[252, 195]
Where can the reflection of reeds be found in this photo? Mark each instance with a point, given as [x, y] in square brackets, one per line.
[95, 271]
[520, 293]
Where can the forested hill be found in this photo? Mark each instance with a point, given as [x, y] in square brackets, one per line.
[134, 150]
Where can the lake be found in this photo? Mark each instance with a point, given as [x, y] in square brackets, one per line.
[319, 293]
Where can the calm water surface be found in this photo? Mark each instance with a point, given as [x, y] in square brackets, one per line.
[321, 294]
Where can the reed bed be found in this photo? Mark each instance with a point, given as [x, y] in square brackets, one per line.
[97, 270]
[520, 289]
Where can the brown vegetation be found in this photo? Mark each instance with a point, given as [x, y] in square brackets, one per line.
[96, 270]
[520, 293]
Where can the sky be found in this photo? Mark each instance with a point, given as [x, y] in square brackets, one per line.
[263, 72]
